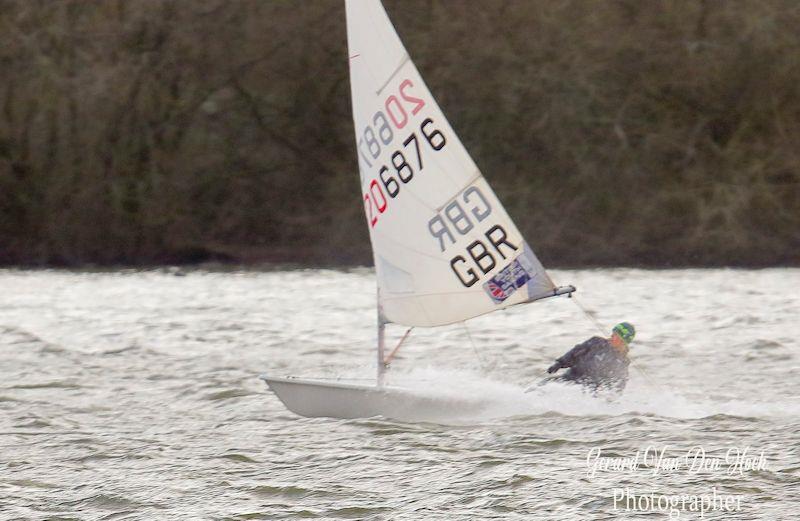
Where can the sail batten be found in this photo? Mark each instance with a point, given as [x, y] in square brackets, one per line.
[405, 60]
[445, 249]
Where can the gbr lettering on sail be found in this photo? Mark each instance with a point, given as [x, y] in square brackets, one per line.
[394, 150]
[461, 217]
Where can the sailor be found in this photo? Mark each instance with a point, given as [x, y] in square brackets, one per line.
[599, 363]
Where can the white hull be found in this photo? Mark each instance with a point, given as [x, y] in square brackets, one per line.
[314, 398]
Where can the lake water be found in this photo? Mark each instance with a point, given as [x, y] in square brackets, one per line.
[134, 395]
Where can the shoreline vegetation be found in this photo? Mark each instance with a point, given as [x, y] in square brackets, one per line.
[622, 133]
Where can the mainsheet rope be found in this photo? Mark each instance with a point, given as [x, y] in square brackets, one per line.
[590, 315]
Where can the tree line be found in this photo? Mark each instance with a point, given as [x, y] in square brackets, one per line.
[661, 133]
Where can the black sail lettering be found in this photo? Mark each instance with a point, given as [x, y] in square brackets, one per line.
[474, 277]
[483, 255]
[497, 236]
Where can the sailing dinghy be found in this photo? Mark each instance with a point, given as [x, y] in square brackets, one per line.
[445, 250]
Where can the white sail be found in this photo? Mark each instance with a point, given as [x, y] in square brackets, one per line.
[445, 249]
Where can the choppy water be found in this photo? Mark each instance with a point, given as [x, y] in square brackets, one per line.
[134, 395]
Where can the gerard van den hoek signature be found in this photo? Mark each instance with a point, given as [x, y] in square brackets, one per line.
[737, 461]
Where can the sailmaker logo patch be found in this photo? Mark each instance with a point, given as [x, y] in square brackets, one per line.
[507, 281]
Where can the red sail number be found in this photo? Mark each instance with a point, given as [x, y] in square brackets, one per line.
[395, 109]
[371, 200]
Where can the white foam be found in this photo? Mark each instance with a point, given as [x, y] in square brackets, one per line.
[510, 399]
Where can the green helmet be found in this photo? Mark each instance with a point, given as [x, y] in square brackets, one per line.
[626, 331]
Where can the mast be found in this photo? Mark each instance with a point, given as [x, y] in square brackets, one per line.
[381, 342]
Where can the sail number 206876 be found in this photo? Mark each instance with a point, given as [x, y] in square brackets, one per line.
[405, 161]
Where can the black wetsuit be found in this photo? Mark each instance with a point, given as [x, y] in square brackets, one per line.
[596, 364]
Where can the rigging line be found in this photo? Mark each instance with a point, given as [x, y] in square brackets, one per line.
[474, 348]
[387, 359]
[589, 315]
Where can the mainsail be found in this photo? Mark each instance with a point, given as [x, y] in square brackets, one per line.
[445, 249]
